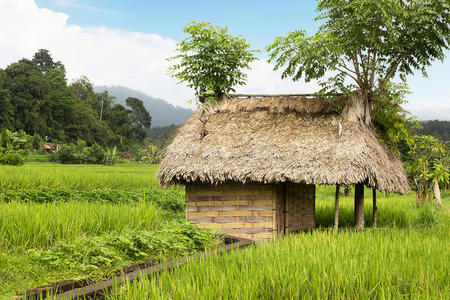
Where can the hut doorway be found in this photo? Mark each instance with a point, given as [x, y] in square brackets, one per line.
[297, 207]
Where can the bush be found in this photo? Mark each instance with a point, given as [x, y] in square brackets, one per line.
[80, 154]
[14, 158]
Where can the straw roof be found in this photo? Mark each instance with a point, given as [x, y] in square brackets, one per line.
[273, 139]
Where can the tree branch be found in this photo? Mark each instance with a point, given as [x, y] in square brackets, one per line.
[351, 76]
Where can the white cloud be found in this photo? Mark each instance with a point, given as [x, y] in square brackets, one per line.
[110, 56]
[106, 56]
[138, 60]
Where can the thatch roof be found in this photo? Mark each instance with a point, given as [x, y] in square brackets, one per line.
[280, 139]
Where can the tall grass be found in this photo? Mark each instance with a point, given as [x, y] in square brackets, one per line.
[375, 264]
[30, 225]
[77, 177]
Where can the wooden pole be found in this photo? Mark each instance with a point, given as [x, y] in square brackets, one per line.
[359, 206]
[375, 208]
[336, 208]
[286, 210]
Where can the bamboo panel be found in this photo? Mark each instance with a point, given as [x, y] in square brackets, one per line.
[256, 236]
[239, 225]
[301, 199]
[233, 208]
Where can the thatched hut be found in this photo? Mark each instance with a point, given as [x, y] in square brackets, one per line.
[251, 163]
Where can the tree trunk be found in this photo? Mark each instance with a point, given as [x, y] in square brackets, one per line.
[359, 206]
[375, 208]
[437, 192]
[336, 208]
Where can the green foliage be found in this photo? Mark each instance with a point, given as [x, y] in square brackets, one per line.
[211, 61]
[150, 154]
[362, 44]
[45, 62]
[81, 154]
[166, 199]
[428, 161]
[14, 158]
[162, 136]
[438, 129]
[36, 98]
[109, 250]
[139, 118]
[393, 123]
[13, 146]
[110, 156]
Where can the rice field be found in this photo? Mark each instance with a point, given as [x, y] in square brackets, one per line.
[31, 225]
[72, 221]
[34, 175]
[382, 264]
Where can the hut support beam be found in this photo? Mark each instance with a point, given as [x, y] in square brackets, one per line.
[359, 206]
[285, 210]
[375, 208]
[336, 208]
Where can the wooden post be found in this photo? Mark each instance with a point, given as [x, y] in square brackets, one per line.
[286, 210]
[359, 206]
[375, 208]
[336, 208]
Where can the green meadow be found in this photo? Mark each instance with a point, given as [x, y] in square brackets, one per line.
[73, 221]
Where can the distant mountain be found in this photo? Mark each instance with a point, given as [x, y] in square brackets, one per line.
[162, 112]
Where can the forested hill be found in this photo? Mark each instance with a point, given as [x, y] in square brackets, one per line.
[162, 112]
[436, 128]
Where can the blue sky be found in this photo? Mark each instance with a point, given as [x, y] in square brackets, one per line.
[258, 21]
[126, 42]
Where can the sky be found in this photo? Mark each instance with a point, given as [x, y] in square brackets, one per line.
[126, 42]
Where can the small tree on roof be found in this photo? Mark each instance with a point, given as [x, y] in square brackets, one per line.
[211, 61]
[364, 44]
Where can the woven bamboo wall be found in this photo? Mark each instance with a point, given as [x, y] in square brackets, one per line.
[301, 206]
[256, 211]
[247, 211]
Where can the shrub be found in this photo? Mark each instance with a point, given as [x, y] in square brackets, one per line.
[81, 154]
[14, 158]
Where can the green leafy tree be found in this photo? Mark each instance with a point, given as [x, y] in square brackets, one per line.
[6, 108]
[139, 118]
[211, 61]
[428, 163]
[43, 59]
[28, 87]
[363, 44]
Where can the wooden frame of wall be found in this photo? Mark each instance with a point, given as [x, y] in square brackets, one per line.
[254, 210]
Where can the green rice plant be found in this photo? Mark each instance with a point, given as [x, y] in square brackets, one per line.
[374, 264]
[168, 199]
[78, 177]
[30, 225]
